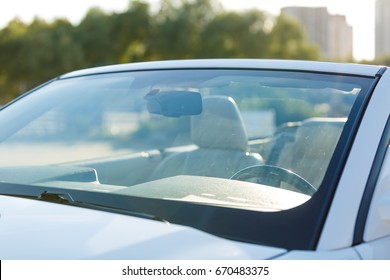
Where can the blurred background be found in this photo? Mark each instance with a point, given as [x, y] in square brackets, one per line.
[42, 39]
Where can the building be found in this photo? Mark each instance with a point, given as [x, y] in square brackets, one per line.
[382, 28]
[340, 38]
[331, 33]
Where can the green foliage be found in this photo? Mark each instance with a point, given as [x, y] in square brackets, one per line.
[132, 31]
[288, 41]
[384, 60]
[177, 28]
[235, 35]
[94, 35]
[33, 53]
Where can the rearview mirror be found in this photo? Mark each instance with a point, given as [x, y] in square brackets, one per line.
[174, 103]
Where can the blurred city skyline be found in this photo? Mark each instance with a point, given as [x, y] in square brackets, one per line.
[360, 15]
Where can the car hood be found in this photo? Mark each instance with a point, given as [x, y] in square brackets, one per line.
[31, 229]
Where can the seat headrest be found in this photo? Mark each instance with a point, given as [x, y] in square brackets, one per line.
[220, 125]
[317, 137]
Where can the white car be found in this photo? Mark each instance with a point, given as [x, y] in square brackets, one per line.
[199, 159]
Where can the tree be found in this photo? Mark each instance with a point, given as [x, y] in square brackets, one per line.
[9, 49]
[31, 54]
[288, 41]
[36, 53]
[235, 35]
[95, 35]
[132, 33]
[384, 60]
[177, 28]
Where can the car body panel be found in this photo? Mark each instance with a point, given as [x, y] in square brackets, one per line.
[351, 69]
[31, 229]
[342, 254]
[378, 220]
[375, 250]
[41, 230]
[356, 171]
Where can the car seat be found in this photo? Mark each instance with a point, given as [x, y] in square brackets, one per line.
[222, 145]
[310, 153]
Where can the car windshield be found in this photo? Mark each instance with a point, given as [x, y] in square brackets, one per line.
[253, 141]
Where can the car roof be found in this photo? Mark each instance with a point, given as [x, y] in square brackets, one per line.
[267, 64]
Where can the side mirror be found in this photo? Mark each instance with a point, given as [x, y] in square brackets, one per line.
[174, 103]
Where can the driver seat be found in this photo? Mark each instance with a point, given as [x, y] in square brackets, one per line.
[221, 140]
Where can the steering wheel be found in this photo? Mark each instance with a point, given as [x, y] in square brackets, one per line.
[273, 176]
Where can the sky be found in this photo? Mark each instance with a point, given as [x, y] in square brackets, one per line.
[360, 14]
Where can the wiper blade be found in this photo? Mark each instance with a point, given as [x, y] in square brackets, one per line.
[66, 198]
[63, 198]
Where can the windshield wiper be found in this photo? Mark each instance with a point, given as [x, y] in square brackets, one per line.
[62, 198]
[67, 199]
